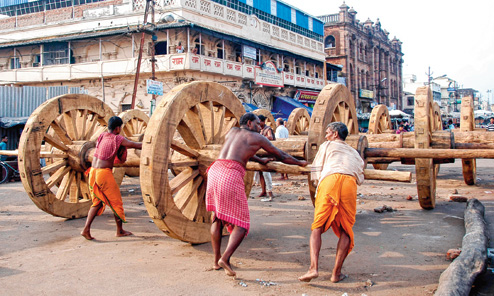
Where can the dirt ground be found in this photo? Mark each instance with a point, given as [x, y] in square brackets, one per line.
[396, 253]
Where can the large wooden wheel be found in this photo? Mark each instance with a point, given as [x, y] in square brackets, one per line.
[67, 125]
[202, 113]
[467, 123]
[334, 103]
[379, 122]
[269, 117]
[135, 123]
[425, 170]
[298, 122]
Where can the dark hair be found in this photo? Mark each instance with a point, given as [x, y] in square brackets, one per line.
[401, 125]
[4, 136]
[492, 118]
[262, 118]
[249, 116]
[281, 121]
[450, 121]
[114, 122]
[340, 128]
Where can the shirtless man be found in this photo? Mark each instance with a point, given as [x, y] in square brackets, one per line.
[103, 188]
[225, 194]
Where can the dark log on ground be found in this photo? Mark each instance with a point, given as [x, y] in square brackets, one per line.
[458, 278]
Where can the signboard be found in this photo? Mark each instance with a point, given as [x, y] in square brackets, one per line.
[268, 75]
[249, 52]
[306, 96]
[365, 93]
[154, 87]
[451, 89]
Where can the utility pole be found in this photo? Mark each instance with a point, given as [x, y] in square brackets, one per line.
[429, 76]
[141, 48]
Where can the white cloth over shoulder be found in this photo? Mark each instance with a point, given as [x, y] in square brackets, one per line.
[281, 132]
[337, 157]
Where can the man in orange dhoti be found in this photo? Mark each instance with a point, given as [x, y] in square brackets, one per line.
[110, 149]
[340, 168]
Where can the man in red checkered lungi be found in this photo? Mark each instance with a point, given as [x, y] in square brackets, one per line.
[225, 195]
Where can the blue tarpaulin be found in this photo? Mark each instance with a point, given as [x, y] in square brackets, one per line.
[283, 106]
[249, 107]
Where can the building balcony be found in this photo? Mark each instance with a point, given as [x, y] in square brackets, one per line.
[164, 63]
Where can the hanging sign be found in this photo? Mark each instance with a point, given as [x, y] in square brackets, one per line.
[268, 75]
[154, 87]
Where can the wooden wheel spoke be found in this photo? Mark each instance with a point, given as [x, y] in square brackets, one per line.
[65, 185]
[91, 126]
[69, 119]
[186, 195]
[349, 124]
[75, 189]
[55, 143]
[84, 188]
[202, 214]
[191, 130]
[182, 179]
[206, 115]
[212, 112]
[220, 119]
[54, 166]
[57, 176]
[52, 155]
[184, 149]
[230, 122]
[183, 164]
[61, 132]
[81, 123]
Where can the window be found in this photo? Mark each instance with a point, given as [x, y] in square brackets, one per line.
[329, 42]
[15, 63]
[410, 101]
[160, 48]
[126, 107]
[36, 60]
[219, 50]
[56, 53]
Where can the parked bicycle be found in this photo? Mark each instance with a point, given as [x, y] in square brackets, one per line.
[7, 172]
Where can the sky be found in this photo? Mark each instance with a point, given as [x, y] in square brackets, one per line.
[452, 37]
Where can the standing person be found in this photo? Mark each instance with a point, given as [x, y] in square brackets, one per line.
[490, 126]
[265, 178]
[3, 146]
[180, 48]
[451, 126]
[339, 168]
[104, 190]
[225, 193]
[281, 133]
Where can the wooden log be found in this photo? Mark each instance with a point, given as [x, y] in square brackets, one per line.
[293, 146]
[9, 152]
[278, 167]
[382, 159]
[428, 153]
[458, 278]
[384, 175]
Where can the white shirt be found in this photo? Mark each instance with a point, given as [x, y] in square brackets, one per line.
[281, 132]
[337, 157]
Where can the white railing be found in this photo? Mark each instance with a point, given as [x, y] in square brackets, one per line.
[164, 63]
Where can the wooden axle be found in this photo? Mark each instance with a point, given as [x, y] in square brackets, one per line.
[439, 140]
[428, 153]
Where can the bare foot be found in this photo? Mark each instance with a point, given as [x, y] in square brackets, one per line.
[308, 276]
[87, 235]
[262, 194]
[228, 269]
[336, 279]
[123, 233]
[215, 267]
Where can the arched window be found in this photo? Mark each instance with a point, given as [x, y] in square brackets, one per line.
[200, 46]
[329, 42]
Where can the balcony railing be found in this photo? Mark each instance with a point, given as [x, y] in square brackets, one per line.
[164, 63]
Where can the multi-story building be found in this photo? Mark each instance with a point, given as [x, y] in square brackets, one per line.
[410, 85]
[371, 63]
[259, 49]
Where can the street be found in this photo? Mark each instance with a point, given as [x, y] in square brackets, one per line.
[400, 252]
